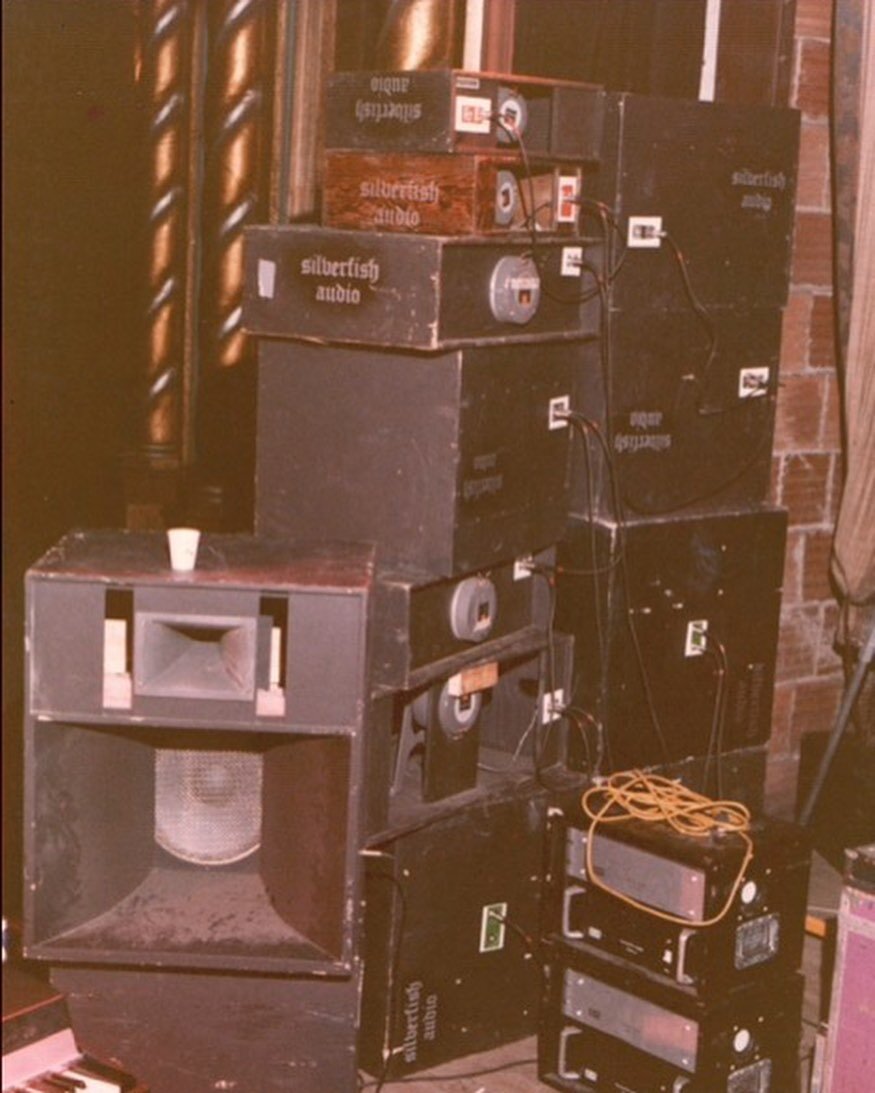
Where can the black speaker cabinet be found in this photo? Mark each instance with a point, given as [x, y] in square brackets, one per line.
[425, 292]
[606, 1027]
[675, 621]
[452, 111]
[447, 738]
[425, 628]
[201, 1032]
[691, 879]
[449, 463]
[688, 431]
[193, 752]
[721, 180]
[450, 926]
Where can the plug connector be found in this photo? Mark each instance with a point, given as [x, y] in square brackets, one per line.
[552, 705]
[644, 231]
[558, 411]
[696, 640]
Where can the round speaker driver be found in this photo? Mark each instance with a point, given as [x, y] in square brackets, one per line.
[208, 804]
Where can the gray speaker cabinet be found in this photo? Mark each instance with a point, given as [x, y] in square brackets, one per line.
[193, 754]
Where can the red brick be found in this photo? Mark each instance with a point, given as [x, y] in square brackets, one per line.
[805, 486]
[783, 740]
[814, 18]
[812, 250]
[794, 561]
[776, 483]
[828, 660]
[796, 331]
[816, 705]
[781, 789]
[798, 642]
[799, 413]
[813, 180]
[812, 93]
[817, 549]
[822, 352]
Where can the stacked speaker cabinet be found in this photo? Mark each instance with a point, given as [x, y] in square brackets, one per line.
[671, 960]
[683, 387]
[676, 406]
[417, 357]
[677, 625]
[194, 758]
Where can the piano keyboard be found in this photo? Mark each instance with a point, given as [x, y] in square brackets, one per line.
[80, 1075]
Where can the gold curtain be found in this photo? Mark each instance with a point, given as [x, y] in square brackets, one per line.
[853, 563]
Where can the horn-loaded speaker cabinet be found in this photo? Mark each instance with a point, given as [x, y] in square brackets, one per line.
[192, 753]
[501, 717]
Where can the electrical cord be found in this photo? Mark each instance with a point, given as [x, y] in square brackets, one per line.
[530, 210]
[637, 795]
[619, 515]
[718, 718]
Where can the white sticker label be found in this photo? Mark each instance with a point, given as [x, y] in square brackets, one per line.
[266, 278]
[572, 257]
[473, 114]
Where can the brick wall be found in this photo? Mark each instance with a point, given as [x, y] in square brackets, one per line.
[807, 461]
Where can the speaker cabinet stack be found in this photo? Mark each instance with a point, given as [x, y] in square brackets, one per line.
[417, 352]
[193, 805]
[669, 528]
[671, 961]
[251, 789]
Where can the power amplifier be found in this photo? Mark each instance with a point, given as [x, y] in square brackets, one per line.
[448, 195]
[449, 463]
[606, 1028]
[453, 111]
[675, 620]
[426, 292]
[690, 879]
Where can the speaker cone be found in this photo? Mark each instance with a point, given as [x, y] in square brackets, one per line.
[208, 804]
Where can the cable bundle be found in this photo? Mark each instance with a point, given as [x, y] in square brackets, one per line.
[635, 795]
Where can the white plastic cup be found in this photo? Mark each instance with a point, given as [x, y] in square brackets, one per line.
[183, 544]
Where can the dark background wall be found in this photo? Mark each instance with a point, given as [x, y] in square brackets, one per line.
[70, 300]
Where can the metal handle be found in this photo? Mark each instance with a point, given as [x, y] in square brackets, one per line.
[683, 944]
[570, 891]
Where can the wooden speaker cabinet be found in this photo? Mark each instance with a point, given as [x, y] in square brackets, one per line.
[422, 292]
[448, 195]
[193, 754]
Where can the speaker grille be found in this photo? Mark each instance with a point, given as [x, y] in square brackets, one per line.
[208, 804]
